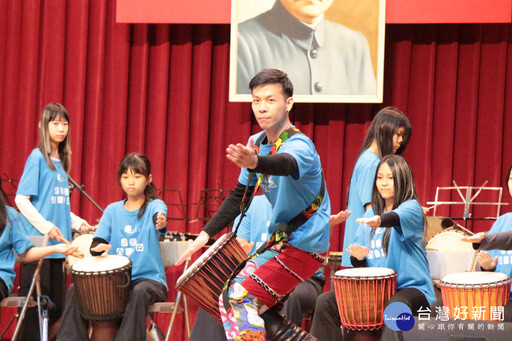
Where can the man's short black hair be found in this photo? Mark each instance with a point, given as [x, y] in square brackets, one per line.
[272, 76]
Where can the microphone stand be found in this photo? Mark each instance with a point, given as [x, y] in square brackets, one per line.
[81, 190]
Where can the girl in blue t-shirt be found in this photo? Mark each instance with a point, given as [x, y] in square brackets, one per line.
[43, 200]
[396, 239]
[389, 133]
[131, 228]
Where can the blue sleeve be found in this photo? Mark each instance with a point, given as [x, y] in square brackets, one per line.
[365, 181]
[158, 206]
[29, 182]
[104, 229]
[411, 220]
[20, 240]
[302, 150]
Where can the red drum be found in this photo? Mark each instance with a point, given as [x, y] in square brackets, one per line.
[102, 286]
[204, 280]
[362, 294]
[477, 295]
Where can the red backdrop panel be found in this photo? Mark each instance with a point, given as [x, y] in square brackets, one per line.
[397, 11]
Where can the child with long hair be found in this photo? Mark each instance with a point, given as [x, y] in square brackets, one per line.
[140, 218]
[390, 236]
[14, 237]
[389, 133]
[43, 200]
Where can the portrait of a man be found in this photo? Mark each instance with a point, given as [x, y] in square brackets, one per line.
[326, 61]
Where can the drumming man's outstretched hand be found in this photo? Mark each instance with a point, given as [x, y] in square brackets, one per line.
[243, 156]
[358, 251]
[161, 221]
[476, 238]
[486, 261]
[373, 222]
[198, 243]
[102, 247]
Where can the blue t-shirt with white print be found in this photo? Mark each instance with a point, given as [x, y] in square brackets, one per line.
[290, 195]
[49, 193]
[137, 239]
[406, 251]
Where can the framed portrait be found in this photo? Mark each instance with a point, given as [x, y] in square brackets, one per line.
[332, 50]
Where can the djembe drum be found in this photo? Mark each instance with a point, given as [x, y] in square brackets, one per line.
[204, 280]
[361, 295]
[475, 293]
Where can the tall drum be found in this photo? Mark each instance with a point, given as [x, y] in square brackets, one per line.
[475, 295]
[204, 280]
[362, 294]
[102, 286]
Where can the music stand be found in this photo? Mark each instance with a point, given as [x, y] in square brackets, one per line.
[468, 200]
[42, 313]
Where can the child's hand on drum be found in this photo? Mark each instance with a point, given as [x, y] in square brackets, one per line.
[358, 251]
[337, 219]
[373, 222]
[198, 243]
[102, 247]
[476, 238]
[161, 221]
[68, 249]
[486, 261]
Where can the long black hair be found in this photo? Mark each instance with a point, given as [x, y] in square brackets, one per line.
[139, 163]
[384, 125]
[404, 188]
[50, 113]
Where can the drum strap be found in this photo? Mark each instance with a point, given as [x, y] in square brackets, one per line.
[281, 231]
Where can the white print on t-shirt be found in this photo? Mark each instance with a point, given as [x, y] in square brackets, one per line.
[60, 178]
[129, 251]
[267, 183]
[140, 247]
[61, 195]
[120, 251]
[124, 242]
[130, 229]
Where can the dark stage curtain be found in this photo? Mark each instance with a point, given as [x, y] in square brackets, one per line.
[163, 90]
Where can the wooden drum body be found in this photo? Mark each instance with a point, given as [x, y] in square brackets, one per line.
[475, 293]
[102, 286]
[362, 294]
[204, 280]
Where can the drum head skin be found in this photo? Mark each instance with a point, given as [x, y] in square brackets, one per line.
[474, 278]
[365, 272]
[83, 242]
[101, 263]
[449, 241]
